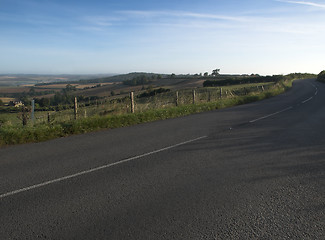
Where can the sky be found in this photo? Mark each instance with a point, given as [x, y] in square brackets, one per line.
[182, 37]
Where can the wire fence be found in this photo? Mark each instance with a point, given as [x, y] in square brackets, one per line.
[123, 105]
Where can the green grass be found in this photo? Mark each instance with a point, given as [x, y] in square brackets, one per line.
[11, 134]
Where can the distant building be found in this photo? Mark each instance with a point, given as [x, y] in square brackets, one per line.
[16, 104]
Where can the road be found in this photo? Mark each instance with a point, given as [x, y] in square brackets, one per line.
[255, 171]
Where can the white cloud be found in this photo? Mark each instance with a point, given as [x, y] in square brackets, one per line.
[313, 4]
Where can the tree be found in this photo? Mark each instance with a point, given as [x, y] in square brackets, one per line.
[69, 88]
[206, 74]
[136, 81]
[43, 102]
[25, 100]
[32, 91]
[215, 72]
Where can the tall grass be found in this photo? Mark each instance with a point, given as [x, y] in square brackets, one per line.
[41, 132]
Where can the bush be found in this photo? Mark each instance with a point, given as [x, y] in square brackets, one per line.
[153, 92]
[321, 76]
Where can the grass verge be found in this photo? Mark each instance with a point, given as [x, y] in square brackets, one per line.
[10, 135]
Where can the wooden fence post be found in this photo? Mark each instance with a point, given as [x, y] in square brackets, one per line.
[75, 108]
[220, 92]
[194, 97]
[33, 111]
[48, 118]
[24, 115]
[132, 101]
[176, 98]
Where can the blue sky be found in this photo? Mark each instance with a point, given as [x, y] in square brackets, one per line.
[183, 36]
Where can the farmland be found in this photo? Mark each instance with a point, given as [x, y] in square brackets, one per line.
[14, 80]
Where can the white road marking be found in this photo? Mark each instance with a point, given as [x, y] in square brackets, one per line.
[307, 100]
[316, 92]
[96, 169]
[270, 115]
[315, 88]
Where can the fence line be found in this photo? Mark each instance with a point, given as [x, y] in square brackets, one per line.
[135, 103]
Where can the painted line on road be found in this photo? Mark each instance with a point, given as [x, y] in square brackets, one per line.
[270, 115]
[96, 169]
[307, 100]
[315, 88]
[286, 109]
[316, 92]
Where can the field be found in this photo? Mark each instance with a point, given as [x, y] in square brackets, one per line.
[6, 100]
[15, 80]
[78, 86]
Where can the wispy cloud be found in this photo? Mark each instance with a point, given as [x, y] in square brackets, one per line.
[176, 19]
[185, 20]
[216, 23]
[181, 14]
[313, 4]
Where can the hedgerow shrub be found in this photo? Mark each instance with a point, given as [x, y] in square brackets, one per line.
[321, 76]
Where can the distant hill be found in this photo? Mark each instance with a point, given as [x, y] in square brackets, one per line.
[84, 79]
[119, 78]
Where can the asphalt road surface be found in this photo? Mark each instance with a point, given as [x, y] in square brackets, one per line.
[255, 171]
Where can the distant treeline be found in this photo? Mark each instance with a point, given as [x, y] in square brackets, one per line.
[116, 78]
[256, 79]
[153, 92]
[64, 97]
[30, 93]
[135, 75]
[141, 80]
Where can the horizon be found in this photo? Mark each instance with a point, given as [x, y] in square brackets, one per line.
[266, 37]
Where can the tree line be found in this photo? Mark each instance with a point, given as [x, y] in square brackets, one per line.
[255, 79]
[142, 80]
